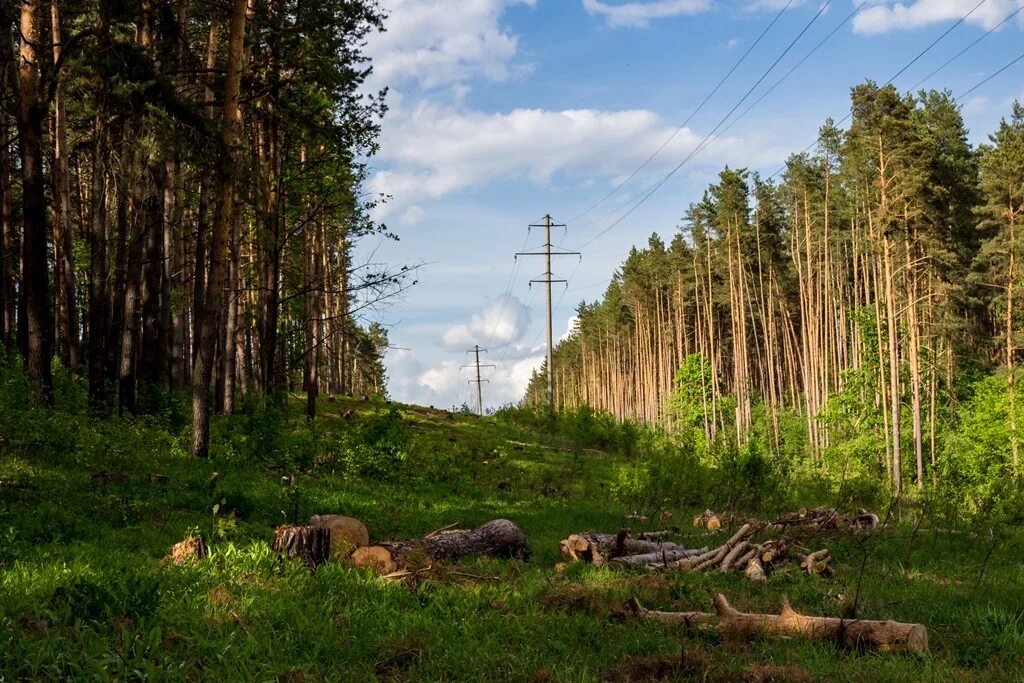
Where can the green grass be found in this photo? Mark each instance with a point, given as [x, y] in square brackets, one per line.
[84, 593]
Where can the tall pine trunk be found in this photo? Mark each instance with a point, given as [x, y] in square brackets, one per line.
[223, 218]
[34, 304]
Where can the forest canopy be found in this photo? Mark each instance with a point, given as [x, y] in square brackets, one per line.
[182, 187]
[857, 314]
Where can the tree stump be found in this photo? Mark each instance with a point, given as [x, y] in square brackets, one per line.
[311, 544]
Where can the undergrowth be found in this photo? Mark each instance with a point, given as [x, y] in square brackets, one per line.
[85, 591]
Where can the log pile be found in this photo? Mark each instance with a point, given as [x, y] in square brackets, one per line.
[885, 636]
[623, 550]
[754, 550]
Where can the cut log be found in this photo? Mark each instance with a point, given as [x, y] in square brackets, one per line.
[598, 548]
[755, 571]
[347, 533]
[745, 558]
[497, 538]
[885, 636]
[773, 550]
[373, 557]
[311, 544]
[723, 550]
[662, 557]
[817, 563]
[739, 549]
[709, 520]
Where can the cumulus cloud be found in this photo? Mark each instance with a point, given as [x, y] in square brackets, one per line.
[887, 16]
[500, 324]
[434, 150]
[444, 384]
[432, 43]
[640, 14]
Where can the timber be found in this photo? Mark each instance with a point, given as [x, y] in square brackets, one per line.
[496, 538]
[884, 636]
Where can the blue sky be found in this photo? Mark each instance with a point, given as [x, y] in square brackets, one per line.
[504, 110]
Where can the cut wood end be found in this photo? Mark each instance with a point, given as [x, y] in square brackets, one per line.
[375, 557]
[755, 571]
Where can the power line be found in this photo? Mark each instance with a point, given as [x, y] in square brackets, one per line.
[700, 106]
[983, 82]
[916, 58]
[671, 173]
[976, 41]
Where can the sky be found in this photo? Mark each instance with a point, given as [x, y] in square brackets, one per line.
[504, 111]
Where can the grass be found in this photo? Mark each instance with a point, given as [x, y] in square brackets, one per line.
[85, 594]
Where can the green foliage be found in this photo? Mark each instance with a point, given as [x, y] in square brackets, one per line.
[379, 449]
[977, 462]
[583, 426]
[692, 393]
[84, 594]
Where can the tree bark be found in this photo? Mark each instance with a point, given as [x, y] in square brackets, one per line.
[99, 249]
[34, 303]
[223, 217]
[64, 262]
[8, 237]
[497, 538]
[885, 636]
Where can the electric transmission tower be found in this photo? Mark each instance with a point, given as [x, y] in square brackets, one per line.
[548, 279]
[479, 382]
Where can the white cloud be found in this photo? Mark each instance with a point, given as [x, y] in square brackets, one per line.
[976, 104]
[444, 385]
[733, 42]
[640, 14]
[500, 324]
[570, 327]
[412, 215]
[442, 379]
[435, 42]
[886, 16]
[433, 150]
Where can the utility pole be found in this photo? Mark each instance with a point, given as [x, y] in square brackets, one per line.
[548, 279]
[479, 382]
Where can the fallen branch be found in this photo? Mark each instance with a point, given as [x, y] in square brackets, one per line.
[884, 636]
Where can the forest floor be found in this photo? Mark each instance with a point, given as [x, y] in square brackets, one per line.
[85, 594]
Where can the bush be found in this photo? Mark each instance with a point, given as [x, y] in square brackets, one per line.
[378, 449]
